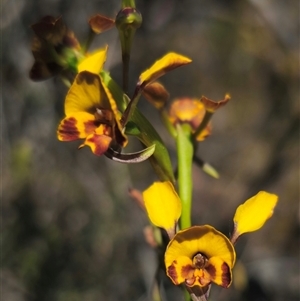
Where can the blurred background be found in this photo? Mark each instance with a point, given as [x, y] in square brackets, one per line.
[69, 229]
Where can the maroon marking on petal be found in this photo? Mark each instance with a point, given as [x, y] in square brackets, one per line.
[193, 233]
[101, 143]
[90, 126]
[88, 78]
[68, 130]
[211, 270]
[185, 270]
[172, 272]
[226, 275]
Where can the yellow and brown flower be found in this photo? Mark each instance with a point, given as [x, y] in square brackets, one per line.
[91, 114]
[191, 111]
[199, 255]
[54, 48]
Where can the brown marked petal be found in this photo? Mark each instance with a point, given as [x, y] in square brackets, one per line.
[226, 275]
[172, 273]
[99, 144]
[67, 130]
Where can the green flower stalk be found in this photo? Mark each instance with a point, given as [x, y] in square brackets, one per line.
[185, 151]
[128, 20]
[128, 3]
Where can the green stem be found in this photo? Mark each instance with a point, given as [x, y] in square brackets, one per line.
[185, 151]
[128, 3]
[131, 106]
[88, 42]
[187, 296]
[125, 60]
[127, 21]
[166, 120]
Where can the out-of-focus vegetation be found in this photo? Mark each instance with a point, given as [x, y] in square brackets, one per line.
[69, 229]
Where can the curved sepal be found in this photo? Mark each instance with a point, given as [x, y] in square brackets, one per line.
[135, 157]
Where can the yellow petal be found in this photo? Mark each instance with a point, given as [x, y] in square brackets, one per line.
[94, 62]
[252, 215]
[163, 205]
[167, 63]
[85, 94]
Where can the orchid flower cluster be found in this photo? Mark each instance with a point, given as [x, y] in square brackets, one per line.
[101, 114]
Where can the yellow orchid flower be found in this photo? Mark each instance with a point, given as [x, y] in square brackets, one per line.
[198, 256]
[163, 206]
[191, 111]
[91, 114]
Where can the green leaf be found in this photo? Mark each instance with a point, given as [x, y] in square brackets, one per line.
[120, 98]
[206, 167]
[146, 133]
